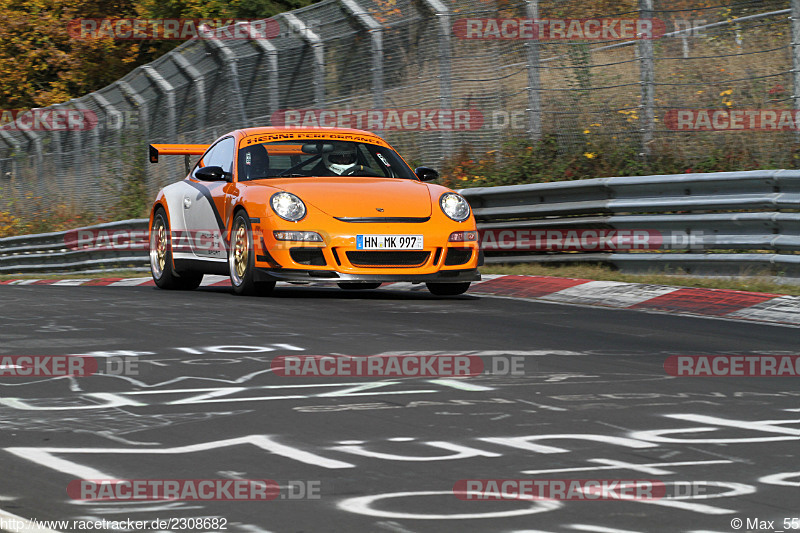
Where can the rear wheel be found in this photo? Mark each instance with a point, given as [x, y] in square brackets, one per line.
[241, 259]
[161, 258]
[448, 289]
[358, 285]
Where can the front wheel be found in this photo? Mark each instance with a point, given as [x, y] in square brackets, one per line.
[241, 259]
[161, 258]
[448, 289]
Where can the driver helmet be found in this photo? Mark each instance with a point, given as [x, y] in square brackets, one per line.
[341, 158]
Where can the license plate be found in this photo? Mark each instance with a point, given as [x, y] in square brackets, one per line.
[389, 242]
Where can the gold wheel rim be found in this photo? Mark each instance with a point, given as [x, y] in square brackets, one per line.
[161, 247]
[158, 248]
[240, 251]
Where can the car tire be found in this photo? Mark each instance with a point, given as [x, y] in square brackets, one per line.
[242, 259]
[448, 289]
[358, 285]
[161, 268]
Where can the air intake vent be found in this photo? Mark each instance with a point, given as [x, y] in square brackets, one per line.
[386, 259]
[308, 256]
[457, 256]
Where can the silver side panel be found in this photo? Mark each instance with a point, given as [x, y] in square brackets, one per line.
[194, 226]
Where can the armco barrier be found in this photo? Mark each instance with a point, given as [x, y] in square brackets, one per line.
[706, 224]
[724, 223]
[60, 251]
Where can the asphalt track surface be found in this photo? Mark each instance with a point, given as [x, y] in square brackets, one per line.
[594, 402]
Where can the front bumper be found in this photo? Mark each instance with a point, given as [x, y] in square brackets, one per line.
[338, 258]
[290, 274]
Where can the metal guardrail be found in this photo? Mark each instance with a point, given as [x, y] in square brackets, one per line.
[63, 251]
[727, 223]
[687, 222]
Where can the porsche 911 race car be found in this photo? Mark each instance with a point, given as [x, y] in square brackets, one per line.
[300, 205]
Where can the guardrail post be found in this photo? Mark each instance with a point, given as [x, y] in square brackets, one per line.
[39, 162]
[271, 53]
[229, 58]
[16, 150]
[199, 84]
[140, 104]
[58, 151]
[795, 19]
[79, 159]
[375, 31]
[110, 111]
[95, 156]
[534, 81]
[164, 87]
[77, 146]
[94, 193]
[442, 12]
[318, 49]
[647, 77]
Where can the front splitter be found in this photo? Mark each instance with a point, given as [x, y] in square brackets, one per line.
[443, 276]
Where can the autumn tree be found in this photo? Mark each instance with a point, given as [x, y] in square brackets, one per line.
[42, 64]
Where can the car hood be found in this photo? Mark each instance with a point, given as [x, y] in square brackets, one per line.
[361, 197]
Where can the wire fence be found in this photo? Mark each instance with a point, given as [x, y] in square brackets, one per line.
[439, 78]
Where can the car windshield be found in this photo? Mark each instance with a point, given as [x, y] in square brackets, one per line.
[315, 157]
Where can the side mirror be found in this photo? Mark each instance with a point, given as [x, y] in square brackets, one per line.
[212, 173]
[426, 174]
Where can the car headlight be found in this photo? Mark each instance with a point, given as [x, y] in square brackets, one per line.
[288, 206]
[454, 206]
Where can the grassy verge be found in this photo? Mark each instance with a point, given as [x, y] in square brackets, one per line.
[604, 273]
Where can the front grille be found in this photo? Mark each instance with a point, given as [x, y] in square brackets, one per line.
[384, 259]
[458, 256]
[308, 256]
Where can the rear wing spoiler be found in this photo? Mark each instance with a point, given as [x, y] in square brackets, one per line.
[177, 149]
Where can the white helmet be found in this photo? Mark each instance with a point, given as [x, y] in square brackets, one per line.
[341, 158]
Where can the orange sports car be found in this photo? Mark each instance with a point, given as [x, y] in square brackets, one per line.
[336, 205]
